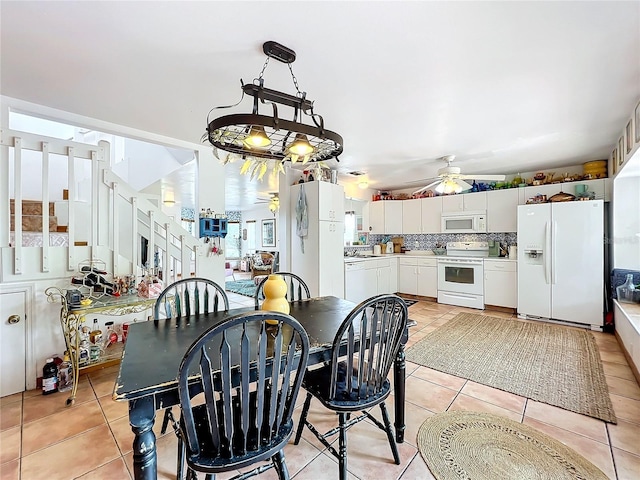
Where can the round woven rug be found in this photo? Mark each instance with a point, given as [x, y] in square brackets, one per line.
[475, 445]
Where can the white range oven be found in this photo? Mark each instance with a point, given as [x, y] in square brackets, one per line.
[461, 274]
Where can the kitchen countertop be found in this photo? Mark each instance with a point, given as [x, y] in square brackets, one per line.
[408, 254]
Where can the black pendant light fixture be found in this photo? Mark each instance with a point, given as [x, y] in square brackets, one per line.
[260, 139]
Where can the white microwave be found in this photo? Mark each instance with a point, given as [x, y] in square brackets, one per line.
[464, 222]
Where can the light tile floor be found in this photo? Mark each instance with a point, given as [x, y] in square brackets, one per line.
[42, 439]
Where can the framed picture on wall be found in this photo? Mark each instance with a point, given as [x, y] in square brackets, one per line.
[614, 160]
[269, 232]
[621, 150]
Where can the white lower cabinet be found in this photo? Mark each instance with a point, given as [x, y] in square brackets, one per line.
[418, 276]
[501, 283]
[408, 276]
[370, 277]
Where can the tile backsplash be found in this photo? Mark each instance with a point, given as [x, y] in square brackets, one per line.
[427, 241]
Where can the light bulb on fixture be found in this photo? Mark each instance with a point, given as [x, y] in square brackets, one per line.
[274, 205]
[257, 137]
[363, 184]
[300, 145]
[448, 186]
[169, 200]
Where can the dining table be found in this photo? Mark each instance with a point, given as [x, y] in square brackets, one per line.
[148, 376]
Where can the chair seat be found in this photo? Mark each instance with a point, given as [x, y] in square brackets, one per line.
[318, 383]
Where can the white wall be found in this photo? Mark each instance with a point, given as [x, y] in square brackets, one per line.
[258, 213]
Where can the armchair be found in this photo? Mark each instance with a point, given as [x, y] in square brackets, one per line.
[262, 264]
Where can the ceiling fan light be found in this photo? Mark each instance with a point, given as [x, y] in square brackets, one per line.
[300, 146]
[363, 184]
[257, 137]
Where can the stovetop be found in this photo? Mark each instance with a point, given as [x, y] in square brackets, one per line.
[468, 249]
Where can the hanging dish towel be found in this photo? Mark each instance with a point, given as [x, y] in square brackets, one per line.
[302, 220]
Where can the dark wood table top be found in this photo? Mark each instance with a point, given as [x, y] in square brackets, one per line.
[154, 349]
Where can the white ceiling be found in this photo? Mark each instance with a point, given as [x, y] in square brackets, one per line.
[505, 86]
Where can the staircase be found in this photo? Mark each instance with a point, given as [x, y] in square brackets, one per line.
[112, 219]
[32, 216]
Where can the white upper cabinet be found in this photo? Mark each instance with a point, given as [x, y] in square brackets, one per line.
[331, 201]
[385, 216]
[452, 203]
[376, 217]
[431, 211]
[393, 216]
[502, 210]
[412, 216]
[469, 202]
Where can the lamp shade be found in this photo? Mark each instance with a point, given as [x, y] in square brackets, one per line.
[257, 137]
[300, 145]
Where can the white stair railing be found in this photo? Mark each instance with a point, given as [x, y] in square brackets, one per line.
[100, 236]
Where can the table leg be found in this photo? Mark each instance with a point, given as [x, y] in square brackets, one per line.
[141, 416]
[399, 368]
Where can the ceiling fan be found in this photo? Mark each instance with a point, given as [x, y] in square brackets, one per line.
[450, 180]
[273, 201]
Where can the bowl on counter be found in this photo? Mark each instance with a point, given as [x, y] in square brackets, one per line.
[439, 251]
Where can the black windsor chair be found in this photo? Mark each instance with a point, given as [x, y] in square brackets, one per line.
[182, 299]
[238, 384]
[190, 296]
[296, 287]
[355, 378]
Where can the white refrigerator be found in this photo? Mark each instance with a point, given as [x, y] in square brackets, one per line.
[561, 262]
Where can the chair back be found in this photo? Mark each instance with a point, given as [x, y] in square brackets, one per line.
[190, 296]
[250, 373]
[296, 288]
[366, 346]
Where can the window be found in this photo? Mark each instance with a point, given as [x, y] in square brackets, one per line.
[251, 236]
[232, 240]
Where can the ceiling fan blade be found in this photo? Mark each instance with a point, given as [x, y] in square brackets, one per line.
[496, 178]
[463, 184]
[427, 186]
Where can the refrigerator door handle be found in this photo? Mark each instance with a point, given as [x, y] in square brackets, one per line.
[554, 236]
[547, 251]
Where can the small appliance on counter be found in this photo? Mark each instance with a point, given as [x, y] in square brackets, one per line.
[389, 248]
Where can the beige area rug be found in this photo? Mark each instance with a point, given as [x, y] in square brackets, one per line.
[473, 445]
[548, 363]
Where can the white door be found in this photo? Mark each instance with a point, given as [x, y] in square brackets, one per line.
[577, 262]
[534, 275]
[13, 354]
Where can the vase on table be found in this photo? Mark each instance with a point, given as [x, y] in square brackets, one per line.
[275, 300]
